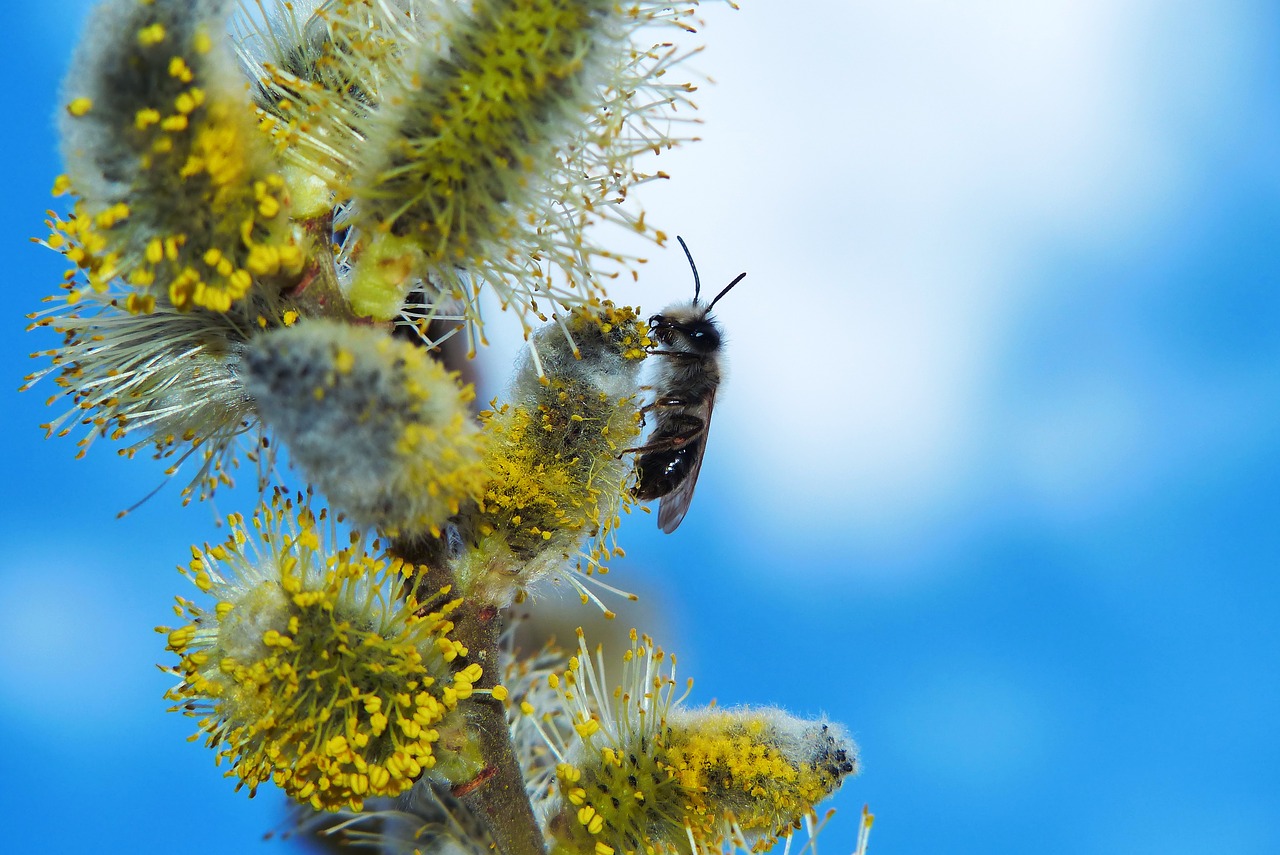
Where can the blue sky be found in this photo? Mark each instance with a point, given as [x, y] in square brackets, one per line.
[993, 480]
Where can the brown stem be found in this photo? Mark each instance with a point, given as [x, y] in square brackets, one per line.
[317, 292]
[496, 795]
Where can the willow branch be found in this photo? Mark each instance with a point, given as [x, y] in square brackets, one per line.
[497, 793]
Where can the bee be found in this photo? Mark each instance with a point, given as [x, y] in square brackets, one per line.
[684, 385]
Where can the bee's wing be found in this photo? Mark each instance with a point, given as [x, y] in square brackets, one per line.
[674, 505]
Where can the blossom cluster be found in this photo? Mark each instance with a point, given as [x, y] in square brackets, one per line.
[279, 218]
[312, 670]
[648, 774]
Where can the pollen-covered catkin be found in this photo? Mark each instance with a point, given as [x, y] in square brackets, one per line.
[713, 775]
[459, 146]
[311, 671]
[179, 191]
[382, 429]
[764, 767]
[430, 819]
[554, 453]
[646, 774]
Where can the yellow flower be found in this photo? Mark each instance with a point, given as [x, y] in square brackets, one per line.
[311, 670]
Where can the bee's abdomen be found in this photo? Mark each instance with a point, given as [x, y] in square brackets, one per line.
[675, 446]
[660, 472]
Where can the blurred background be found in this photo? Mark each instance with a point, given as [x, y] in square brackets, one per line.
[993, 480]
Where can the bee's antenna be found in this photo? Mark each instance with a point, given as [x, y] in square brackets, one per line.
[740, 277]
[697, 284]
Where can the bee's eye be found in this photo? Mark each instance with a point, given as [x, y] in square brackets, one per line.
[704, 337]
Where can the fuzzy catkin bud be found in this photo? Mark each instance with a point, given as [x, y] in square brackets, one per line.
[558, 475]
[383, 430]
[180, 194]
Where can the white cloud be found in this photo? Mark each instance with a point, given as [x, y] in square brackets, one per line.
[894, 169]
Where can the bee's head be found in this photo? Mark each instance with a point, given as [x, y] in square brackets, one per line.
[687, 328]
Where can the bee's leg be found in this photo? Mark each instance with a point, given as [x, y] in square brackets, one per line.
[645, 409]
[667, 403]
[664, 403]
[677, 354]
[695, 427]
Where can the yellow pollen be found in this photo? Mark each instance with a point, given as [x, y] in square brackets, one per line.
[152, 35]
[179, 69]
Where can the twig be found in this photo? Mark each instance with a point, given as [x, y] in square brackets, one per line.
[496, 795]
